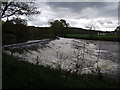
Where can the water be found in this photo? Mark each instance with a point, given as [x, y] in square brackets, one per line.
[64, 53]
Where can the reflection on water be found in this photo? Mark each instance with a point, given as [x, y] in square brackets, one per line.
[67, 53]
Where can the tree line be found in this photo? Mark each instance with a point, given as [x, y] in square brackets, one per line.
[17, 31]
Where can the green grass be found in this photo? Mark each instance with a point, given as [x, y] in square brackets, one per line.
[95, 37]
[108, 36]
[21, 74]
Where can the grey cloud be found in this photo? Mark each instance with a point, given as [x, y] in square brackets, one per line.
[105, 9]
[105, 21]
[79, 14]
[75, 6]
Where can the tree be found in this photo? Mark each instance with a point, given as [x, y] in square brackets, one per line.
[59, 23]
[18, 8]
[59, 27]
[64, 23]
[92, 26]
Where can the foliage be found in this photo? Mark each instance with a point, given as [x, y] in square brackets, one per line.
[14, 33]
[58, 27]
[17, 32]
[59, 23]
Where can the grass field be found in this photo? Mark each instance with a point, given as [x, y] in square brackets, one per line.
[21, 74]
[95, 37]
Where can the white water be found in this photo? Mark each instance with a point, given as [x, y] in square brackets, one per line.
[64, 52]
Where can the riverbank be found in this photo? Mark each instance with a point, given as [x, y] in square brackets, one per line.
[113, 38]
[21, 74]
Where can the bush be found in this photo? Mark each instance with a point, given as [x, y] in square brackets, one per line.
[8, 38]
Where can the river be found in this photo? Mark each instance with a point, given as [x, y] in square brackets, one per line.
[64, 53]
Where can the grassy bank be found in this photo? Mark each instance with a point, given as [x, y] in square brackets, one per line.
[94, 37]
[20, 74]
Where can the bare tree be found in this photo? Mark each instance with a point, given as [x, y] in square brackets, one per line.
[92, 26]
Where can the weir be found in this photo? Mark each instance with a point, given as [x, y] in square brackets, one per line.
[64, 53]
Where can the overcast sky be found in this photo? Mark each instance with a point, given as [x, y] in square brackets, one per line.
[103, 15]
